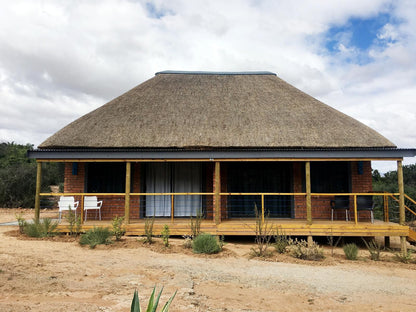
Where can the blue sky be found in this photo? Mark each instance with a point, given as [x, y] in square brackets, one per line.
[60, 60]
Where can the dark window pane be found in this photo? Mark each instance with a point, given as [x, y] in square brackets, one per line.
[330, 177]
[106, 178]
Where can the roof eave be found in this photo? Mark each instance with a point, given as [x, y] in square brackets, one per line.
[168, 153]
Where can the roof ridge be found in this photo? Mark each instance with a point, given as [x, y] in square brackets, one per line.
[184, 72]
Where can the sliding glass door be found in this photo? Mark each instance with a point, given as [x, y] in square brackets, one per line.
[175, 178]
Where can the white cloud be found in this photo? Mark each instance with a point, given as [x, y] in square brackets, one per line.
[59, 59]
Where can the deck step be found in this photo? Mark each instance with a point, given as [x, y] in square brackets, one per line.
[412, 236]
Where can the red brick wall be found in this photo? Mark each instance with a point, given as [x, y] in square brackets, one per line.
[74, 183]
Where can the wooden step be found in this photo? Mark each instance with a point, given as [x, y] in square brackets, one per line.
[412, 236]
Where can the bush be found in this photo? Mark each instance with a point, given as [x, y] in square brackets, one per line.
[165, 235]
[96, 236]
[196, 225]
[281, 242]
[301, 250]
[21, 222]
[148, 230]
[263, 235]
[118, 229]
[74, 222]
[42, 228]
[205, 243]
[351, 251]
[187, 243]
[374, 249]
[404, 258]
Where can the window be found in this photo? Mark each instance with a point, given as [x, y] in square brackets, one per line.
[106, 178]
[330, 177]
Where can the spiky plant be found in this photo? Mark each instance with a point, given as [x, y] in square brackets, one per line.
[152, 304]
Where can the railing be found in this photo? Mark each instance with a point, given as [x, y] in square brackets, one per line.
[237, 204]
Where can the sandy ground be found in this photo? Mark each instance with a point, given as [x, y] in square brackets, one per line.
[60, 275]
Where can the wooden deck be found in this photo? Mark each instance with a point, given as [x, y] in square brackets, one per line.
[246, 227]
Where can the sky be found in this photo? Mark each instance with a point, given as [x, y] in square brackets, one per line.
[62, 59]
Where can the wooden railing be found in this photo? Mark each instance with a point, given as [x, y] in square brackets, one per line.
[386, 196]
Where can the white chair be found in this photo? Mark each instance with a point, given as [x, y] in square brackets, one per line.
[67, 203]
[91, 203]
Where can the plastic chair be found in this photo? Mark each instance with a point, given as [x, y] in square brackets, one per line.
[340, 202]
[67, 203]
[91, 203]
[365, 203]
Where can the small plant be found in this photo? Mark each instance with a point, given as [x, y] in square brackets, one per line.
[41, 228]
[165, 235]
[205, 243]
[405, 258]
[71, 219]
[187, 243]
[152, 304]
[21, 222]
[78, 225]
[263, 235]
[281, 241]
[351, 251]
[118, 229]
[374, 249]
[96, 236]
[148, 230]
[302, 250]
[196, 224]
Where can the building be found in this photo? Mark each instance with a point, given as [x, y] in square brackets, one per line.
[222, 144]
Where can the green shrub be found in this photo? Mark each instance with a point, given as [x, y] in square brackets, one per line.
[21, 222]
[187, 243]
[74, 222]
[42, 228]
[165, 235]
[96, 236]
[281, 242]
[118, 229]
[205, 243]
[152, 304]
[196, 224]
[351, 251]
[148, 230]
[302, 250]
[374, 249]
[405, 258]
[263, 234]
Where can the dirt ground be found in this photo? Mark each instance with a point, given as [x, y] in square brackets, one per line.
[59, 275]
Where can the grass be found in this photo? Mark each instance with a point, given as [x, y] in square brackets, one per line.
[41, 228]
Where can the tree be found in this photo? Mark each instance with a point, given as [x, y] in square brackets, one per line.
[18, 175]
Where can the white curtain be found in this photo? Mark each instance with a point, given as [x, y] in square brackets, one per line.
[158, 180]
[187, 179]
[178, 178]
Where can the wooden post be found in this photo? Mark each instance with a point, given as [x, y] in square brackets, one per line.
[355, 210]
[172, 207]
[308, 192]
[82, 209]
[401, 191]
[262, 208]
[37, 196]
[217, 190]
[127, 193]
[401, 204]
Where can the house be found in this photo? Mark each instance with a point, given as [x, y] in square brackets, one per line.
[223, 143]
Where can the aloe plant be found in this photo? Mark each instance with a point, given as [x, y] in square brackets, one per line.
[152, 304]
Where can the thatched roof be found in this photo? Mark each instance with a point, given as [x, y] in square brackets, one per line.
[215, 110]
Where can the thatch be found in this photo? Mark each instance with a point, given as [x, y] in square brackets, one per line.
[200, 110]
